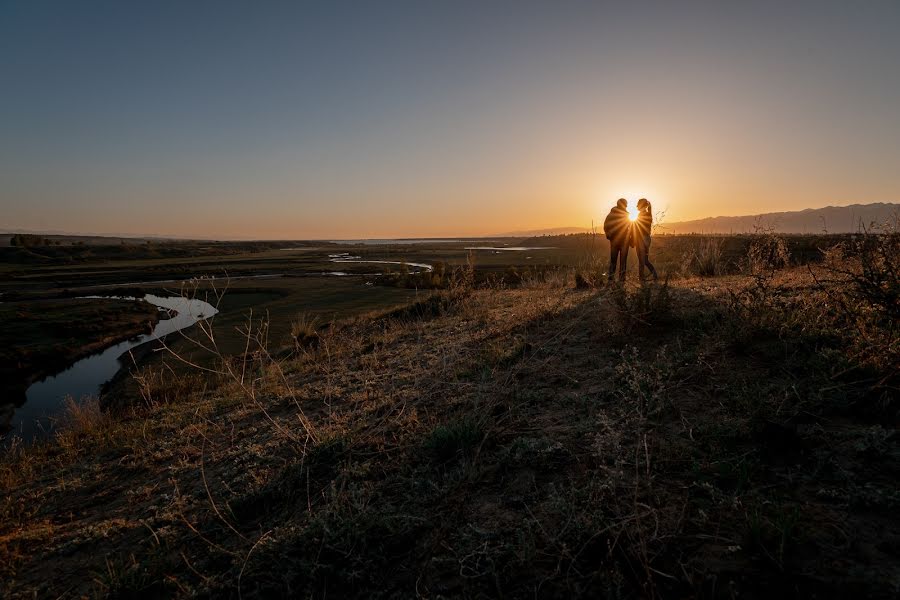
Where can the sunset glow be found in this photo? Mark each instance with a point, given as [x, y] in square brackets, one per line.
[449, 299]
[377, 121]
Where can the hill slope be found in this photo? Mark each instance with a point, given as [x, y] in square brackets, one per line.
[831, 219]
[546, 442]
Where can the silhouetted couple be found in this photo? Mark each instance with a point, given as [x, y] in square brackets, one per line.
[623, 233]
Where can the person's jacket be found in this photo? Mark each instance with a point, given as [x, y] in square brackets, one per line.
[617, 227]
[643, 225]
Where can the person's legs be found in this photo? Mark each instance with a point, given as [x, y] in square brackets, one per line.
[652, 269]
[623, 261]
[642, 259]
[647, 259]
[613, 259]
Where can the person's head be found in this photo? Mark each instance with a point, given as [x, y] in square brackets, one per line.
[622, 203]
[643, 203]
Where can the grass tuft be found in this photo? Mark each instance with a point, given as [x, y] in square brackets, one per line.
[456, 440]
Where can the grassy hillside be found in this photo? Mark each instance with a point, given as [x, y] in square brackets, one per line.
[717, 436]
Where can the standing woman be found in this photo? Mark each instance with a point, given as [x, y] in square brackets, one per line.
[642, 227]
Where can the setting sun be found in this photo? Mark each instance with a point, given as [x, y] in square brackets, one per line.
[448, 269]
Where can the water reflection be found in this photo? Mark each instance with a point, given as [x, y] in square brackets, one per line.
[44, 399]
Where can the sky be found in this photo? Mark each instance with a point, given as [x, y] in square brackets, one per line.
[383, 119]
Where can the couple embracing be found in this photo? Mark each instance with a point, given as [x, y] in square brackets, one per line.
[623, 233]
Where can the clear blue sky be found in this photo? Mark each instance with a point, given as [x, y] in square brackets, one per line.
[374, 119]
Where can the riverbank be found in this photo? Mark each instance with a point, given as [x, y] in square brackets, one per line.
[698, 438]
[40, 338]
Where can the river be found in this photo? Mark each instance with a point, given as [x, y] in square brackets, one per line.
[44, 400]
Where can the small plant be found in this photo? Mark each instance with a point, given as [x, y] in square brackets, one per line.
[767, 253]
[650, 305]
[82, 417]
[435, 305]
[871, 264]
[129, 578]
[775, 537]
[705, 259]
[583, 281]
[532, 451]
[645, 382]
[162, 385]
[455, 440]
[304, 331]
[862, 282]
[761, 303]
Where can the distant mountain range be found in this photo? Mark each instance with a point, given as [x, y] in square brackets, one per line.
[830, 219]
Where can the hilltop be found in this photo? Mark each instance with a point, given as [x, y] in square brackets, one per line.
[710, 436]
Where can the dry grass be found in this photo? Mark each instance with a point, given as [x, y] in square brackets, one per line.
[705, 259]
[543, 441]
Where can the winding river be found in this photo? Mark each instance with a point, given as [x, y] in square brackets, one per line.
[346, 257]
[45, 399]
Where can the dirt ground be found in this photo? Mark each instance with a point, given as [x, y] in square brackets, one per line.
[687, 439]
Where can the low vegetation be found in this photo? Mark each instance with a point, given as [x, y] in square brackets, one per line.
[729, 431]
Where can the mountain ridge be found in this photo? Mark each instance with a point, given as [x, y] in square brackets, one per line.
[827, 219]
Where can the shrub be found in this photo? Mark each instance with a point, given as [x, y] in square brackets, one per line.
[435, 305]
[455, 440]
[705, 259]
[762, 304]
[82, 417]
[865, 290]
[872, 264]
[767, 253]
[645, 382]
[304, 331]
[161, 384]
[548, 278]
[649, 305]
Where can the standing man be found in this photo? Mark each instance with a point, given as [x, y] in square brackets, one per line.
[617, 228]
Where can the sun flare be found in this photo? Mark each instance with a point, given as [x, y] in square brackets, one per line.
[632, 213]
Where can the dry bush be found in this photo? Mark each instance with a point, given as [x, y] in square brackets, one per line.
[162, 385]
[83, 416]
[645, 382]
[647, 306]
[766, 255]
[591, 264]
[83, 423]
[762, 303]
[705, 258]
[871, 264]
[544, 279]
[861, 278]
[590, 274]
[464, 277]
[304, 331]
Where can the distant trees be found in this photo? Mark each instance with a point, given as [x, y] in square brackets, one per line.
[27, 240]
